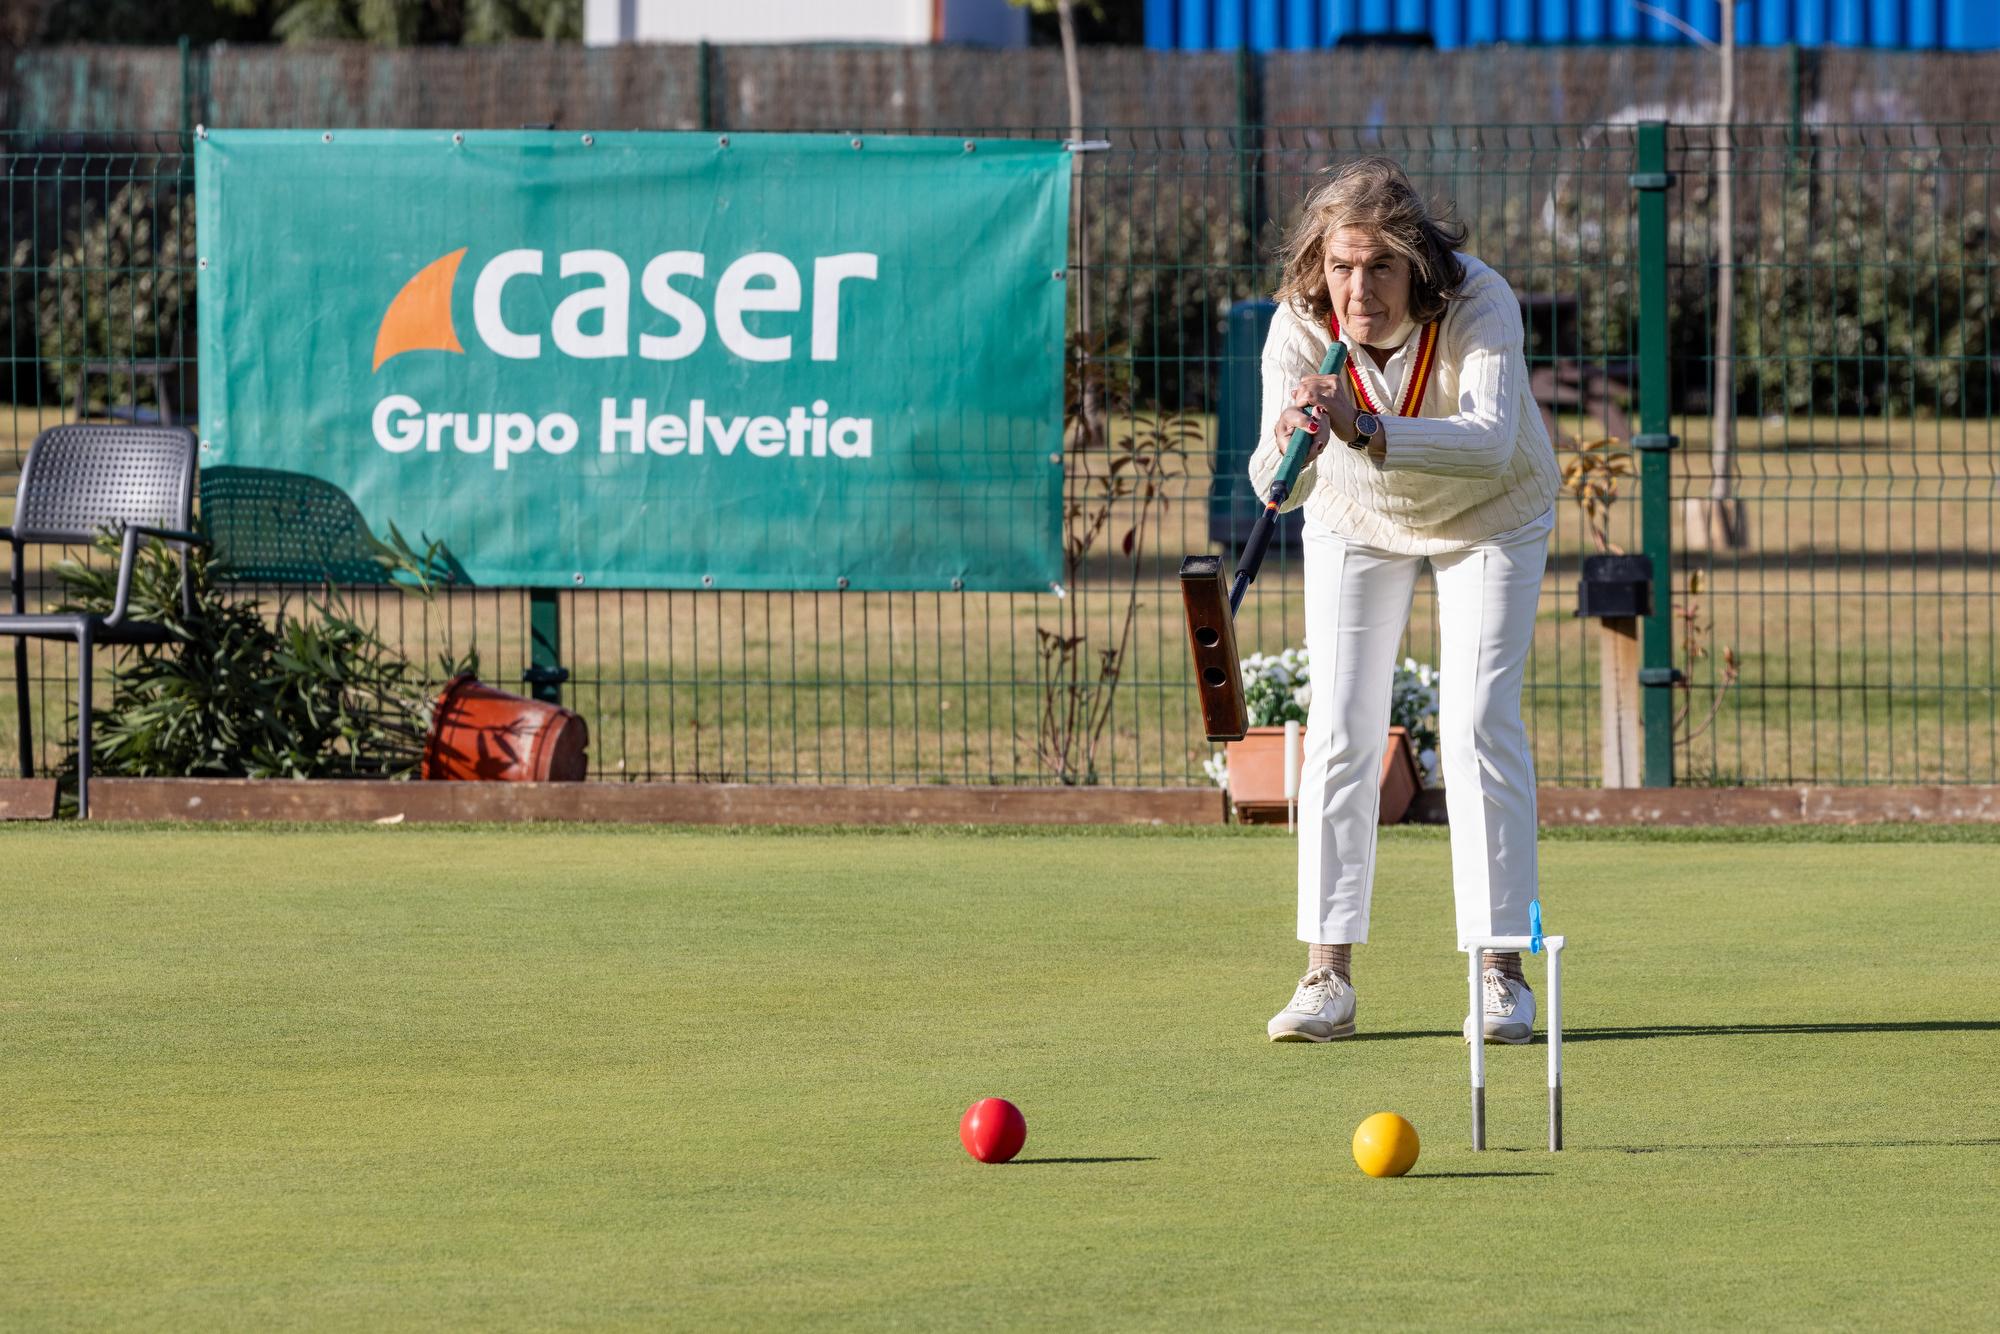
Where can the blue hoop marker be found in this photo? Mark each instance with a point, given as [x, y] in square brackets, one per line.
[1534, 926]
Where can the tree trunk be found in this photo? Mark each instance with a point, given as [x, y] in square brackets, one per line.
[1091, 425]
[1716, 522]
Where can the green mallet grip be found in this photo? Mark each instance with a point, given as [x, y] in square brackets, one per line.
[1289, 468]
[1300, 449]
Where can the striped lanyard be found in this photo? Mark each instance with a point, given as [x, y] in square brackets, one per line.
[1414, 383]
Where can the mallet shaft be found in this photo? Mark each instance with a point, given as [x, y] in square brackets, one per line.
[1296, 455]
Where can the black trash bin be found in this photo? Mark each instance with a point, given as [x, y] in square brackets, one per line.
[1233, 506]
[1615, 587]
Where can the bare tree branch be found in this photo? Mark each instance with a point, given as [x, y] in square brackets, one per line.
[1675, 21]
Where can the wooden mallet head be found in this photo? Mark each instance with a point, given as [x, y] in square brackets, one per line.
[1212, 639]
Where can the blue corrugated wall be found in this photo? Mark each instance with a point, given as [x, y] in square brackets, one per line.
[1278, 25]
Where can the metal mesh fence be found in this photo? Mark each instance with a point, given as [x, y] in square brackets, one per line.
[1859, 608]
[913, 89]
[1835, 520]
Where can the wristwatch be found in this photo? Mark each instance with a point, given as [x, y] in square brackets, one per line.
[1366, 427]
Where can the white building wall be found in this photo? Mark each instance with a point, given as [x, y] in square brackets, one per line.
[988, 22]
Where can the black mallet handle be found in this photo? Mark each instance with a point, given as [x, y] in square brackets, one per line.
[1289, 468]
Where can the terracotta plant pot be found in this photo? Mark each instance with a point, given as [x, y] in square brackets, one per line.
[1257, 776]
[480, 734]
[1401, 778]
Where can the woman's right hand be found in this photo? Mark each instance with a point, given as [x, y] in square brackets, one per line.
[1296, 419]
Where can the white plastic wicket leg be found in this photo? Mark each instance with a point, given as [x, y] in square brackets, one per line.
[1478, 1046]
[1475, 956]
[1292, 744]
[1555, 1024]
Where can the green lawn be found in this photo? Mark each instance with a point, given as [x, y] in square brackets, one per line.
[557, 1077]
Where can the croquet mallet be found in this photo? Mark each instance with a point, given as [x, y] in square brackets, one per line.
[1211, 618]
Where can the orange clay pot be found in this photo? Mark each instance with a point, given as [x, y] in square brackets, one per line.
[1257, 776]
[479, 734]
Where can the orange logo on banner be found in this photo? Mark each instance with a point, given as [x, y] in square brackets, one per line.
[419, 319]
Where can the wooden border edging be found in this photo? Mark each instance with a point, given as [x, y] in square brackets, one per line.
[643, 803]
[27, 798]
[758, 803]
[1967, 804]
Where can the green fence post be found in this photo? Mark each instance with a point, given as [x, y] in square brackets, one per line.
[545, 674]
[187, 106]
[1654, 443]
[704, 78]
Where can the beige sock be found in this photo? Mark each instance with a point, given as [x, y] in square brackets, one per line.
[1508, 964]
[1336, 957]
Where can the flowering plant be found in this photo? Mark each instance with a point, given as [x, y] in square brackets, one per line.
[1277, 689]
[1413, 706]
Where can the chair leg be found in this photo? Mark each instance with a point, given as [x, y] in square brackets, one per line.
[22, 708]
[83, 726]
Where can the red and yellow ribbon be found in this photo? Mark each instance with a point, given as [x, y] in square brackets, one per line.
[1414, 384]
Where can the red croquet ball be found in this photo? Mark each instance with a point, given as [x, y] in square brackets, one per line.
[992, 1130]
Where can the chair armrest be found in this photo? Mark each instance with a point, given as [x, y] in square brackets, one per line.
[128, 548]
[171, 536]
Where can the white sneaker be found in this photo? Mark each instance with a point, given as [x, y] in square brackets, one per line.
[1510, 1009]
[1322, 1009]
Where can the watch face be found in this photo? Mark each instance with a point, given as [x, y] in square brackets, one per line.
[1366, 425]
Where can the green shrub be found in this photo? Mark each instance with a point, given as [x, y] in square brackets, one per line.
[242, 694]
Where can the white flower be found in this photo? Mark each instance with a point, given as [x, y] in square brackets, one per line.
[1429, 760]
[1216, 766]
[1303, 696]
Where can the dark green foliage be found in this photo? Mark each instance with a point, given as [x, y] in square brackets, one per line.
[1867, 297]
[137, 22]
[243, 693]
[1163, 269]
[383, 22]
[120, 288]
[1861, 289]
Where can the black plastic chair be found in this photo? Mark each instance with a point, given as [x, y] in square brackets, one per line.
[80, 481]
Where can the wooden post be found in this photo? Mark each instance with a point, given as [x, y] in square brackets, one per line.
[1618, 693]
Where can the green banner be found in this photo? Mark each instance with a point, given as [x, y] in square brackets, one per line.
[636, 360]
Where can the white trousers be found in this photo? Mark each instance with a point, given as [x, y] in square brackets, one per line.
[1357, 605]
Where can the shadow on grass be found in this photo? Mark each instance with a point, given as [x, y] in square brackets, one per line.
[1638, 1032]
[1991, 1143]
[1443, 1176]
[1024, 1162]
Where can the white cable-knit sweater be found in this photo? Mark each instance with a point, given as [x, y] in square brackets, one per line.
[1474, 462]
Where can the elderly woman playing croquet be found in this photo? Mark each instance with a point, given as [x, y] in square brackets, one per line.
[1429, 448]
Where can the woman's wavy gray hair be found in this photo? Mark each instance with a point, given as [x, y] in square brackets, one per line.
[1374, 194]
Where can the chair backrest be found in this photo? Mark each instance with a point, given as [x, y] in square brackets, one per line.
[83, 478]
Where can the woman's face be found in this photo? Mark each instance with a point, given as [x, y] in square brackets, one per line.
[1368, 283]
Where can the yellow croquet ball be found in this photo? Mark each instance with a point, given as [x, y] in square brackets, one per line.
[1385, 1145]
